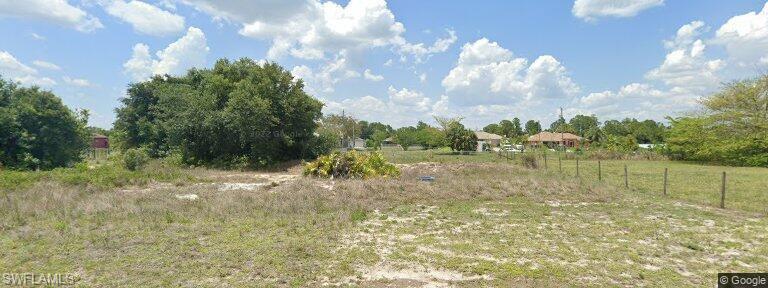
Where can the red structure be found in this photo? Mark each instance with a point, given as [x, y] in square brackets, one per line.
[100, 141]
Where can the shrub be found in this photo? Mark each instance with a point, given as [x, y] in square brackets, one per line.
[529, 160]
[322, 143]
[460, 138]
[351, 165]
[135, 159]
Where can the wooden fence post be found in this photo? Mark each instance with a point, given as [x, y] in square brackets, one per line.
[722, 192]
[626, 177]
[665, 181]
[560, 164]
[545, 161]
[577, 167]
[599, 171]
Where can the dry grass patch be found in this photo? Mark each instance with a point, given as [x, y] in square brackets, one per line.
[476, 224]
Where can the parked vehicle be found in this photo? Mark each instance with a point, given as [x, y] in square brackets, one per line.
[511, 148]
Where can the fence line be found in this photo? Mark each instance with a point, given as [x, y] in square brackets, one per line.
[646, 180]
[664, 176]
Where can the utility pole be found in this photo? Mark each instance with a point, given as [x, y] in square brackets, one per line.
[562, 141]
[344, 142]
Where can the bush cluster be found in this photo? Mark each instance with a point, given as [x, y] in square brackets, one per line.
[135, 159]
[351, 165]
[529, 160]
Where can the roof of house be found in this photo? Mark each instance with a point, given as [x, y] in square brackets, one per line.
[99, 136]
[482, 135]
[552, 137]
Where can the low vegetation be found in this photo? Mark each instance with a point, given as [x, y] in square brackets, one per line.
[351, 165]
[477, 224]
[97, 175]
[134, 159]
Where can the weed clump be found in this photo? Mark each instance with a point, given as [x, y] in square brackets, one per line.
[529, 161]
[351, 165]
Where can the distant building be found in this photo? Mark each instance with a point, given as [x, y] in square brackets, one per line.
[99, 141]
[491, 139]
[551, 139]
[389, 141]
[358, 143]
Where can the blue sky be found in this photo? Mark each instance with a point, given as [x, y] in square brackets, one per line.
[402, 61]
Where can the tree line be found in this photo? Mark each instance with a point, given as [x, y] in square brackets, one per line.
[243, 113]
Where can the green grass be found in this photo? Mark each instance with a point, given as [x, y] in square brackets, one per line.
[441, 155]
[102, 174]
[693, 182]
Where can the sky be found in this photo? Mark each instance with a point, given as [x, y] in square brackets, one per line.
[399, 62]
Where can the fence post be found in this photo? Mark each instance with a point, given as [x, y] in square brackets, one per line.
[560, 164]
[577, 167]
[626, 177]
[665, 181]
[722, 192]
[599, 171]
[545, 161]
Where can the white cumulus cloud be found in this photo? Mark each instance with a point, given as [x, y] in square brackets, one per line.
[146, 18]
[686, 65]
[685, 75]
[592, 9]
[486, 73]
[325, 78]
[188, 51]
[325, 31]
[410, 98]
[17, 71]
[373, 77]
[79, 82]
[745, 37]
[46, 65]
[55, 11]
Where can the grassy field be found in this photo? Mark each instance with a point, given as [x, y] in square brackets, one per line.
[480, 223]
[746, 187]
[695, 182]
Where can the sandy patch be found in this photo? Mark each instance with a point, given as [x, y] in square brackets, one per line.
[190, 197]
[432, 277]
[241, 186]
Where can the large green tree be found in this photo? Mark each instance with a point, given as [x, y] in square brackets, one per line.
[236, 112]
[407, 136]
[517, 129]
[493, 128]
[532, 127]
[37, 131]
[647, 131]
[367, 129]
[581, 124]
[732, 128]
